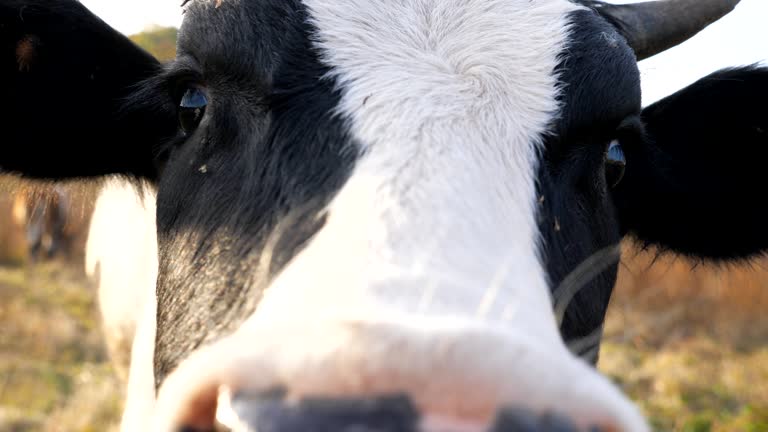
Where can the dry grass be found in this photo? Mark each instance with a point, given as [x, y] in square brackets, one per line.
[16, 195]
[54, 374]
[690, 345]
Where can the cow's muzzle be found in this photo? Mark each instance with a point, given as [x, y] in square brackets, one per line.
[274, 413]
[340, 376]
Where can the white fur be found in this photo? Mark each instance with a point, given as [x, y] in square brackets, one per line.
[122, 245]
[140, 396]
[121, 254]
[426, 277]
[449, 100]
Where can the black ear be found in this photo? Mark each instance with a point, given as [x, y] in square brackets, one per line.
[64, 78]
[697, 183]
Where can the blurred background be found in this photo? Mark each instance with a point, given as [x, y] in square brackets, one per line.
[688, 342]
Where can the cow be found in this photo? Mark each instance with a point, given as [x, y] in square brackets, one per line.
[390, 215]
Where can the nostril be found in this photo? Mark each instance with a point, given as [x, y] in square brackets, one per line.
[241, 412]
[516, 420]
[199, 415]
[216, 428]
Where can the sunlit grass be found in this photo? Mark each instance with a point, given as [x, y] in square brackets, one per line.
[54, 374]
[697, 386]
[690, 345]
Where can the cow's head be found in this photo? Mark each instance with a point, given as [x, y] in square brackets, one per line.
[365, 198]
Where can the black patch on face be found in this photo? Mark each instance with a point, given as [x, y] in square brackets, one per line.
[242, 194]
[600, 103]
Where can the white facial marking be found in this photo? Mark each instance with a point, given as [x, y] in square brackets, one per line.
[450, 100]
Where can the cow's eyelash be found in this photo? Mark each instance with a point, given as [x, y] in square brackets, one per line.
[630, 130]
[180, 74]
[180, 81]
[631, 124]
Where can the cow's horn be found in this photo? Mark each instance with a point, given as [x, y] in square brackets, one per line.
[655, 26]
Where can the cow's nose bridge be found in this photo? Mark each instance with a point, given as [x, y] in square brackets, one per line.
[449, 370]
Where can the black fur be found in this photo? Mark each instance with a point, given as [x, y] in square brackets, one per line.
[694, 184]
[62, 95]
[601, 91]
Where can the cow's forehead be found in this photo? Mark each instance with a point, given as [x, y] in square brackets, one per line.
[248, 40]
[239, 38]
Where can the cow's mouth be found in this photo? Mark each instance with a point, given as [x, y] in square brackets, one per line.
[242, 412]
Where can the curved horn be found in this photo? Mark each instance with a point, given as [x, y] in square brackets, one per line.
[655, 26]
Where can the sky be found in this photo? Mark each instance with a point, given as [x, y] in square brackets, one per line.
[738, 39]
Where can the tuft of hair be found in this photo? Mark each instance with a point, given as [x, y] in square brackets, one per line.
[26, 52]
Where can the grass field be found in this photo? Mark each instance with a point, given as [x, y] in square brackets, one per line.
[690, 345]
[694, 364]
[54, 374]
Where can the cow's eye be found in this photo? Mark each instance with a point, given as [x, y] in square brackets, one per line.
[192, 109]
[615, 163]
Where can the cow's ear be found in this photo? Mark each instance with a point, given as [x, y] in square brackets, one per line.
[697, 183]
[65, 77]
